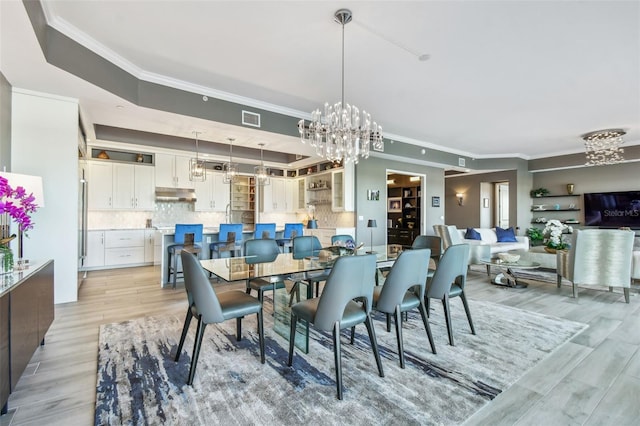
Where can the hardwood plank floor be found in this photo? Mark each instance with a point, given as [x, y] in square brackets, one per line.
[594, 379]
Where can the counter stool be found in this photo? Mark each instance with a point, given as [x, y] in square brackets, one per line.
[185, 239]
[265, 231]
[291, 230]
[229, 240]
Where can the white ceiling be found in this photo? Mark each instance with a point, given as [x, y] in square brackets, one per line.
[504, 78]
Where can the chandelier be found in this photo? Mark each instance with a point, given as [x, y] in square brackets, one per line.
[197, 172]
[261, 172]
[230, 168]
[603, 147]
[342, 133]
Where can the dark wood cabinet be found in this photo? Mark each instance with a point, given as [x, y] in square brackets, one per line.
[403, 220]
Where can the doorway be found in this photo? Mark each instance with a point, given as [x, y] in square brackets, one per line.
[405, 207]
[502, 204]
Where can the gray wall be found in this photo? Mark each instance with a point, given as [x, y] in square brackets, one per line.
[5, 124]
[372, 174]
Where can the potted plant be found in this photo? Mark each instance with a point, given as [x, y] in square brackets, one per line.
[540, 192]
[553, 231]
[535, 235]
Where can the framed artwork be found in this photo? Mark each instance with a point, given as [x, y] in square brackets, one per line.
[485, 203]
[435, 201]
[373, 194]
[394, 205]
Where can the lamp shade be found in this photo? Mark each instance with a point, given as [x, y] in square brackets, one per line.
[31, 184]
[312, 224]
[372, 223]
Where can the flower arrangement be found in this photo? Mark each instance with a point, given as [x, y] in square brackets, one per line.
[553, 230]
[17, 204]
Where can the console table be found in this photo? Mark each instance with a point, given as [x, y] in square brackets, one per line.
[26, 312]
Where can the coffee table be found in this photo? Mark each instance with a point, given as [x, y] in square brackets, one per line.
[506, 277]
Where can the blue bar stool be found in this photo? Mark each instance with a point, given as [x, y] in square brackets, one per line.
[265, 231]
[185, 239]
[291, 230]
[229, 241]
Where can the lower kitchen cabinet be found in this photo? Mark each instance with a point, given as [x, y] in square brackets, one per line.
[120, 248]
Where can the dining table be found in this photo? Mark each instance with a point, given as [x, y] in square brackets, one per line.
[286, 266]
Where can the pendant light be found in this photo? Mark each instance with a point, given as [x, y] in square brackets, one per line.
[197, 172]
[230, 168]
[261, 172]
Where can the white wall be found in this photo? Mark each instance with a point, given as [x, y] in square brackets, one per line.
[44, 143]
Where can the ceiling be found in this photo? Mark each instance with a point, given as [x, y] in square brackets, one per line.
[523, 78]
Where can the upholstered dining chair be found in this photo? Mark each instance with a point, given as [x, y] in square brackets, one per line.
[450, 236]
[432, 242]
[306, 246]
[209, 308]
[351, 278]
[404, 290]
[448, 281]
[598, 257]
[261, 251]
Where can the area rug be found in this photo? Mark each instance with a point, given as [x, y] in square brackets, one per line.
[139, 383]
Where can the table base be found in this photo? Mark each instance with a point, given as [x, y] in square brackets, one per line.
[508, 279]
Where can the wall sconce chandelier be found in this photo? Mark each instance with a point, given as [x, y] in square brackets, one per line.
[230, 168]
[342, 133]
[603, 147]
[460, 198]
[197, 172]
[261, 172]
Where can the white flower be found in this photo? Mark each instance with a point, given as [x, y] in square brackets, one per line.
[553, 230]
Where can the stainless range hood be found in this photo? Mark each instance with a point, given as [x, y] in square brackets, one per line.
[175, 194]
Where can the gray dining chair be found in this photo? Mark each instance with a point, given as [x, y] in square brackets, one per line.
[448, 281]
[209, 308]
[263, 251]
[404, 290]
[307, 246]
[351, 278]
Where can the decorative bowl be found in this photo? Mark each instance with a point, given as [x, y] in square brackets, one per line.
[509, 257]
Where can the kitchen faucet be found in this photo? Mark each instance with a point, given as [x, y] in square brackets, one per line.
[227, 213]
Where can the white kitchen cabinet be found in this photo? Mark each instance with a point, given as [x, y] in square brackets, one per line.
[149, 245]
[274, 196]
[124, 247]
[172, 171]
[133, 187]
[95, 250]
[100, 185]
[342, 187]
[300, 195]
[289, 194]
[212, 194]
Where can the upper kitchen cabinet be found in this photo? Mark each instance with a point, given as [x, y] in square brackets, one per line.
[212, 195]
[274, 196]
[172, 171]
[133, 187]
[342, 187]
[100, 185]
[299, 195]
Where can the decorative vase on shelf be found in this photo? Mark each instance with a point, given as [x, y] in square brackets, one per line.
[570, 187]
[6, 260]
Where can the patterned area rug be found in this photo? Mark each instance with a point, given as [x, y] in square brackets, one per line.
[139, 383]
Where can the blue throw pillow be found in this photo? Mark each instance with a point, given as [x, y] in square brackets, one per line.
[506, 235]
[472, 234]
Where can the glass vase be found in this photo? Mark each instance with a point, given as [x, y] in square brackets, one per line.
[6, 260]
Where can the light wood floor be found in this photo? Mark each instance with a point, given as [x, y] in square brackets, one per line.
[592, 380]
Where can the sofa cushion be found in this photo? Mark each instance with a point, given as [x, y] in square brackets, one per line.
[472, 234]
[506, 235]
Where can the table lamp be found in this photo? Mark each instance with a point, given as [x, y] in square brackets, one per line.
[371, 224]
[312, 224]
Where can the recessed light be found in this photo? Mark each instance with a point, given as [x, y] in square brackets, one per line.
[205, 98]
[424, 57]
[120, 106]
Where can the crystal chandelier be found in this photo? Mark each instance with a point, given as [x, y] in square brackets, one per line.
[197, 172]
[603, 147]
[230, 168]
[342, 133]
[261, 172]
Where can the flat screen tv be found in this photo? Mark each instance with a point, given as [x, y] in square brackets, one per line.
[612, 209]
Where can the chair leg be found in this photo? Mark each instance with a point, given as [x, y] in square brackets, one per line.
[428, 303]
[248, 289]
[175, 269]
[559, 280]
[468, 312]
[388, 322]
[295, 291]
[292, 338]
[353, 334]
[425, 321]
[239, 329]
[196, 350]
[398, 319]
[261, 335]
[626, 294]
[575, 291]
[185, 329]
[447, 315]
[337, 357]
[488, 270]
[374, 344]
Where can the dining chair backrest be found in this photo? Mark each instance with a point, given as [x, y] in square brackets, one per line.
[432, 242]
[408, 271]
[230, 232]
[449, 234]
[342, 238]
[453, 264]
[305, 246]
[260, 251]
[352, 277]
[292, 230]
[182, 230]
[265, 230]
[204, 298]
